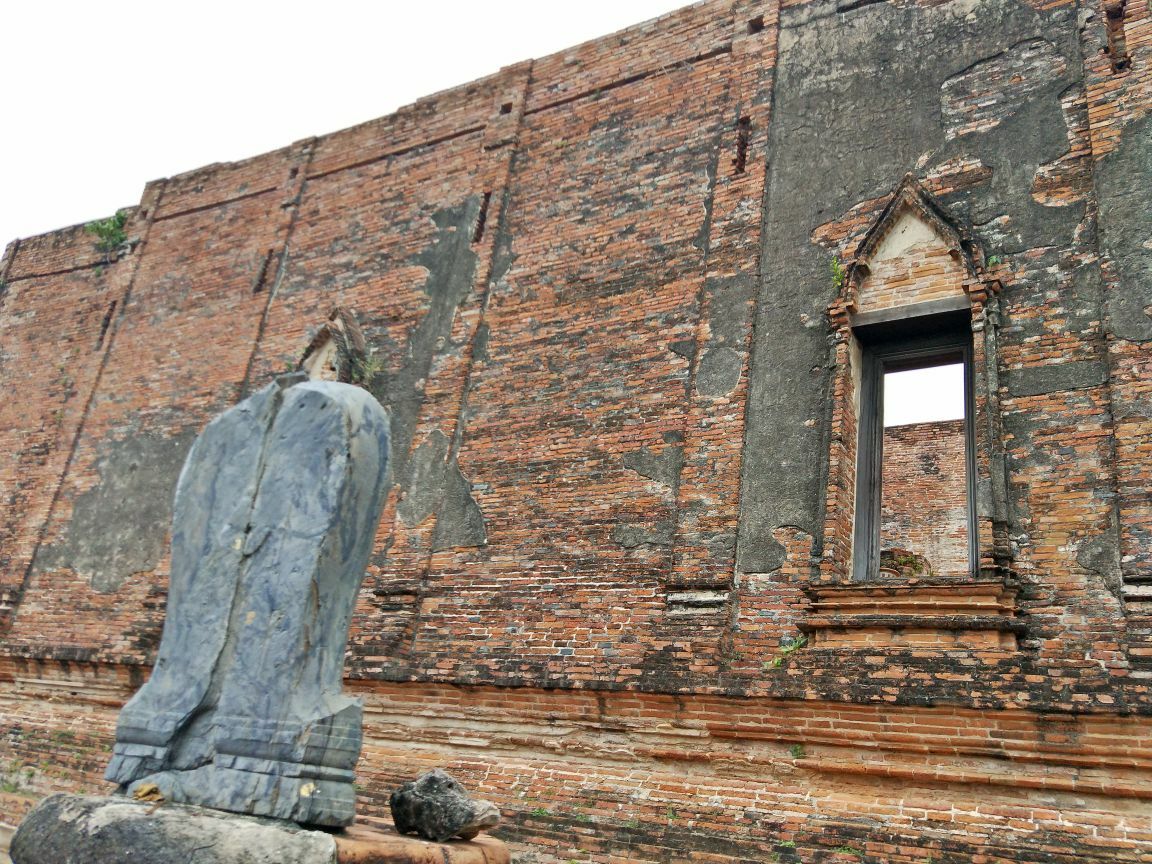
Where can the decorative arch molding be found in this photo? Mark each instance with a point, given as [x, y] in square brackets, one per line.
[910, 204]
[338, 351]
[910, 196]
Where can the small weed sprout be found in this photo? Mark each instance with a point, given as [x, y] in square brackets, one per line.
[797, 751]
[850, 850]
[366, 367]
[791, 646]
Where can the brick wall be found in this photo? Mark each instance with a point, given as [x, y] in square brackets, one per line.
[924, 505]
[597, 289]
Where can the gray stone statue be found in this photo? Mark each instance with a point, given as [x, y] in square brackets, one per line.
[275, 514]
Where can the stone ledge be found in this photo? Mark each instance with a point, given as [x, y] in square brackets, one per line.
[74, 829]
[923, 614]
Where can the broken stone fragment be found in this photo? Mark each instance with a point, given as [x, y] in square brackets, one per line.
[437, 807]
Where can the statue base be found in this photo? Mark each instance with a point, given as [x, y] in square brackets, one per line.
[75, 829]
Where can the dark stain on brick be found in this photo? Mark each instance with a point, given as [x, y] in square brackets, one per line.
[1038, 380]
[1101, 555]
[633, 536]
[663, 467]
[460, 523]
[729, 317]
[120, 526]
[1122, 182]
[426, 476]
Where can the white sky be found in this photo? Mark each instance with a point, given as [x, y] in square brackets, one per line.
[96, 98]
[923, 395]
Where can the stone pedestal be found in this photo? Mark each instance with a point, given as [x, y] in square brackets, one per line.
[73, 829]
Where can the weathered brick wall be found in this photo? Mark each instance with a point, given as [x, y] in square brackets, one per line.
[596, 286]
[925, 494]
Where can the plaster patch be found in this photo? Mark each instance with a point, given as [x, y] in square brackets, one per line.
[984, 95]
[909, 232]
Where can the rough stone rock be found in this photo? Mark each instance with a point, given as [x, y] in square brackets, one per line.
[437, 807]
[274, 519]
[69, 829]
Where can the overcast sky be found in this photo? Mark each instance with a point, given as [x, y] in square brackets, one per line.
[96, 99]
[924, 395]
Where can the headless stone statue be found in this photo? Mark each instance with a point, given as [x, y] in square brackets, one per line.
[275, 514]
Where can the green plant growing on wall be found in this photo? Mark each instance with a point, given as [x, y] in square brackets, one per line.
[797, 751]
[839, 273]
[365, 367]
[13, 783]
[788, 647]
[909, 564]
[110, 234]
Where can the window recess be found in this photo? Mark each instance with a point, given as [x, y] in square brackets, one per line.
[915, 548]
[915, 465]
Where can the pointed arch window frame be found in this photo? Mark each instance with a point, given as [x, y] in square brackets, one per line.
[909, 328]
